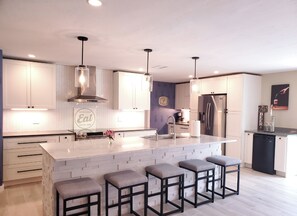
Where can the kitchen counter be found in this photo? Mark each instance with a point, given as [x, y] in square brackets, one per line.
[94, 158]
[96, 147]
[278, 131]
[36, 133]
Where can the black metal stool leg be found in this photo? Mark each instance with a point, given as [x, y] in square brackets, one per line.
[106, 198]
[224, 181]
[57, 207]
[131, 200]
[161, 197]
[238, 178]
[119, 202]
[99, 204]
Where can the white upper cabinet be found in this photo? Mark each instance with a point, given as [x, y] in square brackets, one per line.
[28, 85]
[182, 96]
[130, 92]
[215, 85]
[235, 86]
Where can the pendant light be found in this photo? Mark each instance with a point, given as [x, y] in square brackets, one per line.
[194, 81]
[81, 71]
[148, 78]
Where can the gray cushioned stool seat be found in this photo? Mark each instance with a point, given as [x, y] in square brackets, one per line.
[125, 178]
[77, 187]
[164, 170]
[223, 160]
[196, 165]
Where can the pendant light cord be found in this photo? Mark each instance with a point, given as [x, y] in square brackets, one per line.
[195, 73]
[82, 52]
[82, 39]
[147, 60]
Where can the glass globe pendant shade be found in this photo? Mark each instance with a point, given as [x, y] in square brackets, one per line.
[82, 76]
[194, 85]
[148, 82]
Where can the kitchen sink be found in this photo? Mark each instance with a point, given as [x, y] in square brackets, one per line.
[165, 136]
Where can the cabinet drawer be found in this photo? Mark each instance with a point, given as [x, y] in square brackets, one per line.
[182, 129]
[66, 138]
[20, 156]
[22, 171]
[27, 142]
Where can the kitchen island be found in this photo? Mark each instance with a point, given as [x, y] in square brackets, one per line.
[94, 158]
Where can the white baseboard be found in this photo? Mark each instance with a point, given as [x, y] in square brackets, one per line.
[2, 188]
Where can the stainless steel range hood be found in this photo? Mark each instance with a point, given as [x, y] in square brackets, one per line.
[88, 95]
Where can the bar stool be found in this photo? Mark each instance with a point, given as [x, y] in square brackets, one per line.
[125, 179]
[200, 166]
[164, 172]
[224, 162]
[75, 189]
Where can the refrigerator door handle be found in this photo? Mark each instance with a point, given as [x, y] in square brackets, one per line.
[209, 110]
[207, 115]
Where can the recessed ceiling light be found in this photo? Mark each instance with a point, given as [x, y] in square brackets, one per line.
[31, 56]
[190, 76]
[216, 72]
[95, 3]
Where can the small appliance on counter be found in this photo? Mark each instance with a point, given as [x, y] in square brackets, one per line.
[183, 116]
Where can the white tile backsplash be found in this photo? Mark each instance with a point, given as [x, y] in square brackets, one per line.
[62, 117]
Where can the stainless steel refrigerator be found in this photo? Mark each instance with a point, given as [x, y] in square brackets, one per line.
[212, 111]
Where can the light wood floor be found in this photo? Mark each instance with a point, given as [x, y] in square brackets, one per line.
[260, 194]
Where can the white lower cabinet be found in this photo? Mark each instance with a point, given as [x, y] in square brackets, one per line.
[182, 129]
[280, 157]
[178, 128]
[22, 156]
[248, 144]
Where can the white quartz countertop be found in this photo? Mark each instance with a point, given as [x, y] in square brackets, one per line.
[97, 147]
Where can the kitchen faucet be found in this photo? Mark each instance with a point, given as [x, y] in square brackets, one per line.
[173, 122]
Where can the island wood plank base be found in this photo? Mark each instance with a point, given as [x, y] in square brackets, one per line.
[96, 166]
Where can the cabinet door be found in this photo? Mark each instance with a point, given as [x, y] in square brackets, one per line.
[178, 96]
[16, 84]
[182, 96]
[142, 95]
[235, 93]
[248, 142]
[214, 85]
[43, 86]
[280, 156]
[130, 93]
[126, 91]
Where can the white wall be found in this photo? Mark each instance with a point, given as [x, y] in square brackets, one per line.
[284, 118]
[62, 117]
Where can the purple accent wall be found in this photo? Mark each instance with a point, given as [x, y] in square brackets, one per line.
[159, 114]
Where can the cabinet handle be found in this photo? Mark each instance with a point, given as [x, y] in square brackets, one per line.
[28, 106]
[25, 143]
[184, 128]
[30, 170]
[32, 106]
[29, 155]
[279, 138]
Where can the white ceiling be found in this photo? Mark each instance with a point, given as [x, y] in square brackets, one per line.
[258, 36]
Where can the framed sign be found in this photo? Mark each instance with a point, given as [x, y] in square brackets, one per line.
[280, 97]
[84, 118]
